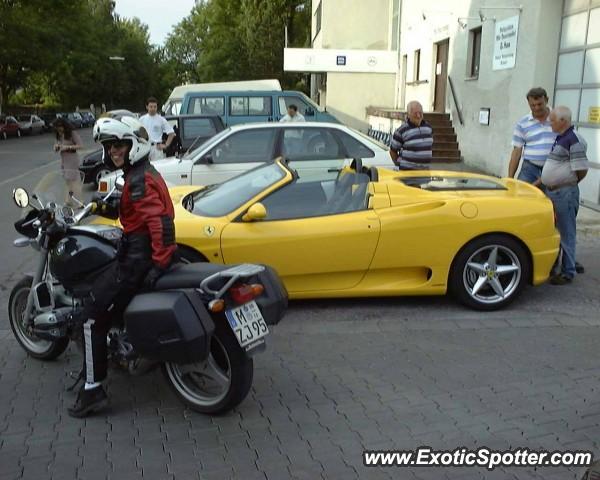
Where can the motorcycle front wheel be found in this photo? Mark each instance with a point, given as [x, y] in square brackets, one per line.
[219, 383]
[34, 346]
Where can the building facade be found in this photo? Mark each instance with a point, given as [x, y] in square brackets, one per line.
[473, 59]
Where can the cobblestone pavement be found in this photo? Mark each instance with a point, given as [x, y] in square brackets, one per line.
[338, 377]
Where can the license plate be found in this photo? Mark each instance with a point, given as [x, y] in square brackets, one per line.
[247, 323]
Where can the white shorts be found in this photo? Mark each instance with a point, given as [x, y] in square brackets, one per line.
[155, 153]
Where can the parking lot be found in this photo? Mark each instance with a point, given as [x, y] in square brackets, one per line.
[338, 377]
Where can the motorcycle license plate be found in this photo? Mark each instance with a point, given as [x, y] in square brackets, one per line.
[247, 324]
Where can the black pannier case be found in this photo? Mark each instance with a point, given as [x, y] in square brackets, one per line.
[173, 326]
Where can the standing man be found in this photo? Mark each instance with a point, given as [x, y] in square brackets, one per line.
[566, 166]
[292, 115]
[156, 125]
[411, 145]
[532, 139]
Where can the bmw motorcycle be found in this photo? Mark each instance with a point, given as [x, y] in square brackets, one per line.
[202, 322]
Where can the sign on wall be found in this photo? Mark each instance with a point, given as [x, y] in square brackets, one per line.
[594, 115]
[333, 60]
[505, 43]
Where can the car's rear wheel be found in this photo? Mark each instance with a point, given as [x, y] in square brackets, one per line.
[19, 133]
[4, 135]
[489, 272]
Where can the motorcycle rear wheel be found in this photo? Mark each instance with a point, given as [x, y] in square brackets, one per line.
[218, 384]
[34, 346]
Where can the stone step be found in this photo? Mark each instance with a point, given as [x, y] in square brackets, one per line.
[436, 115]
[444, 137]
[435, 159]
[440, 123]
[443, 131]
[446, 153]
[444, 145]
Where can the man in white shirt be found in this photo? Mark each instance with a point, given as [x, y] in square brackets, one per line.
[156, 125]
[292, 115]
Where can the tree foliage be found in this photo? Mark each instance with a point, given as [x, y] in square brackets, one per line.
[224, 40]
[57, 51]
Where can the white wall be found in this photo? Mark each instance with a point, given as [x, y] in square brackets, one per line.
[349, 95]
[503, 91]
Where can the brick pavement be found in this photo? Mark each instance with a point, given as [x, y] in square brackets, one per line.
[323, 392]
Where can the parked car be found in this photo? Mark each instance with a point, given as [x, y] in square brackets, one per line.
[49, 119]
[375, 232]
[88, 119]
[74, 119]
[189, 130]
[9, 127]
[310, 147]
[30, 124]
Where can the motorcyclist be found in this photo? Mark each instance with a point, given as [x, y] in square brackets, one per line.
[147, 248]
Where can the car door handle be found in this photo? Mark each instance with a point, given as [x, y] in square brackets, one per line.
[331, 170]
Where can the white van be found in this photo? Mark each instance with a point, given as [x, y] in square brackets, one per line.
[173, 104]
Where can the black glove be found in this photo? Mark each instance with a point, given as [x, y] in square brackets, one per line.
[152, 276]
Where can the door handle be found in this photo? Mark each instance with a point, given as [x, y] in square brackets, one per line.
[331, 170]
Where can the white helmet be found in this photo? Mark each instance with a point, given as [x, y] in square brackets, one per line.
[109, 130]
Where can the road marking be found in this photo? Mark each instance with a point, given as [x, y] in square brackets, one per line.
[46, 165]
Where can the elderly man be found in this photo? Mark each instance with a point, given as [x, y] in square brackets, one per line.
[565, 167]
[411, 146]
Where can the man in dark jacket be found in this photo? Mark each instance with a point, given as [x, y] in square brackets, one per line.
[146, 251]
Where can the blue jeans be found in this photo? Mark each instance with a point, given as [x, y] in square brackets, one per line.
[566, 206]
[529, 172]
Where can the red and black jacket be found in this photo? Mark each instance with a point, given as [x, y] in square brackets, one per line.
[146, 208]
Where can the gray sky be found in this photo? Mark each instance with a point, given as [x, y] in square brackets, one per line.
[160, 15]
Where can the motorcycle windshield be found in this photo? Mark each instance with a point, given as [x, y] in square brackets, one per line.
[54, 189]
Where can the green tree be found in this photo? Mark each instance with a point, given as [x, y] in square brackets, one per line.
[35, 35]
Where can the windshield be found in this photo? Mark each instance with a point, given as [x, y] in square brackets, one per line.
[220, 200]
[194, 148]
[23, 118]
[311, 103]
[54, 188]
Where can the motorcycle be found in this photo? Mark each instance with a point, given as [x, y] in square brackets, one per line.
[202, 322]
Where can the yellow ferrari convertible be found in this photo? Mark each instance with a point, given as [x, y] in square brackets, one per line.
[364, 232]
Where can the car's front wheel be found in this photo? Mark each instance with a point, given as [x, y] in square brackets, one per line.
[489, 272]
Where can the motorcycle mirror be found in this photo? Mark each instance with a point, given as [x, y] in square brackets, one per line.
[21, 197]
[120, 183]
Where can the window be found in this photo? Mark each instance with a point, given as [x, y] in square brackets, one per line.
[353, 147]
[395, 24]
[285, 102]
[224, 198]
[246, 106]
[417, 66]
[206, 105]
[310, 144]
[318, 19]
[474, 52]
[198, 127]
[316, 199]
[245, 147]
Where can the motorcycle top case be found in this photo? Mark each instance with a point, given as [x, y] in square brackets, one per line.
[171, 326]
[274, 300]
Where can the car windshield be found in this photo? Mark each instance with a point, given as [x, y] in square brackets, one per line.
[214, 139]
[222, 199]
[23, 118]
